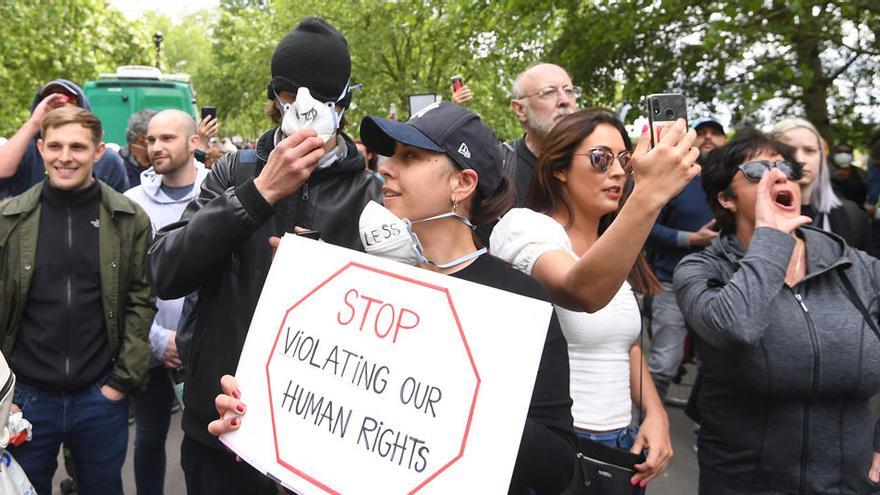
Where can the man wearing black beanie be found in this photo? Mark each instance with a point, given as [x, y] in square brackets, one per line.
[304, 173]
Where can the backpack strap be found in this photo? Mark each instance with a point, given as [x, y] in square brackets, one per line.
[857, 302]
[508, 166]
[244, 165]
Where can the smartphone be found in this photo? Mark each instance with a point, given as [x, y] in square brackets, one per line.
[209, 111]
[663, 110]
[310, 234]
[457, 83]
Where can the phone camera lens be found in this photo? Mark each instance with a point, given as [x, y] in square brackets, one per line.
[656, 106]
[669, 113]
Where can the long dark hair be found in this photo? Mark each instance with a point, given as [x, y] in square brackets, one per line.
[545, 190]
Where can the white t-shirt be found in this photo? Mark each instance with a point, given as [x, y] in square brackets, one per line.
[598, 343]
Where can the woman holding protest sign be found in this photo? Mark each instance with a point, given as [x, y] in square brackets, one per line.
[584, 247]
[444, 173]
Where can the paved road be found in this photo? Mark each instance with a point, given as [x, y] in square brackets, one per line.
[680, 478]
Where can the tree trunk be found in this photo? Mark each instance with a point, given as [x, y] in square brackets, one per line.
[815, 83]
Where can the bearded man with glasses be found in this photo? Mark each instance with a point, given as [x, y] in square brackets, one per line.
[541, 95]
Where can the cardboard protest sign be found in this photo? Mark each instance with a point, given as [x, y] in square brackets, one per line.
[362, 375]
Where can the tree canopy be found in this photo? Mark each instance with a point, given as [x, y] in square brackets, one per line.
[761, 59]
[756, 60]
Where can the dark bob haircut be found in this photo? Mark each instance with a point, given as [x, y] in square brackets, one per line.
[723, 163]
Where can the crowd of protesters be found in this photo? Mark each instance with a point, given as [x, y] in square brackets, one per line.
[128, 274]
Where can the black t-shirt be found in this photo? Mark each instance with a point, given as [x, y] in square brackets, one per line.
[546, 452]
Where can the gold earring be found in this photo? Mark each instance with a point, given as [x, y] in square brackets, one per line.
[733, 209]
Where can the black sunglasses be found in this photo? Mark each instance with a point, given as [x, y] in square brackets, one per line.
[754, 170]
[601, 159]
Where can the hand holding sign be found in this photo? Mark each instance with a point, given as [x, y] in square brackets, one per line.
[392, 372]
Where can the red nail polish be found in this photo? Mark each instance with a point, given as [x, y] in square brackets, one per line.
[633, 482]
[240, 409]
[643, 484]
[644, 131]
[234, 422]
[236, 394]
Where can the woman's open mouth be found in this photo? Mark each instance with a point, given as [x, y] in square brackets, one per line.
[784, 199]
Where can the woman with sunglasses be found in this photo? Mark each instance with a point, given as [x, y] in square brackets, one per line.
[785, 317]
[569, 240]
[818, 200]
[444, 174]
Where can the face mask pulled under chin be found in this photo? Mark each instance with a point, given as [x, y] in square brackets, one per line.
[308, 113]
[384, 234]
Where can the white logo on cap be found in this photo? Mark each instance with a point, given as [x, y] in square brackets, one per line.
[425, 110]
[463, 150]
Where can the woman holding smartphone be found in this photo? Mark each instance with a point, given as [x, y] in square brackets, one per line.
[582, 240]
[444, 175]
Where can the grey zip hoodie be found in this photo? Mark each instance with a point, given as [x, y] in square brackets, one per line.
[787, 372]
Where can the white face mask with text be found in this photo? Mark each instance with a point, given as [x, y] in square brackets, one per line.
[384, 234]
[308, 113]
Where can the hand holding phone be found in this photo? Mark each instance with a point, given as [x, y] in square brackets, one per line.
[664, 109]
[209, 112]
[664, 160]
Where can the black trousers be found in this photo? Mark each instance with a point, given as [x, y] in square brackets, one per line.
[212, 472]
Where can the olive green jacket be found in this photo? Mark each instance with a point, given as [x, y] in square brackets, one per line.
[129, 304]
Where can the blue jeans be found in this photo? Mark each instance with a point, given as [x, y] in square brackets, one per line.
[623, 438]
[152, 413]
[92, 426]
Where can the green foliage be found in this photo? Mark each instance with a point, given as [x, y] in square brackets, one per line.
[397, 48]
[762, 59]
[43, 40]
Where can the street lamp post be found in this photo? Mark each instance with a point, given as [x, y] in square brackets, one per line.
[157, 40]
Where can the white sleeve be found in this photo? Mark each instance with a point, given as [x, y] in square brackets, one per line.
[523, 235]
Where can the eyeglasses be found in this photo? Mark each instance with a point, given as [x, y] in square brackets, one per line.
[550, 92]
[754, 170]
[602, 158]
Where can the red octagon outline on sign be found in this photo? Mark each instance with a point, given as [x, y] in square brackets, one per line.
[467, 348]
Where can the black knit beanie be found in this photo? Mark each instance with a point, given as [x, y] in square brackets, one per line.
[314, 55]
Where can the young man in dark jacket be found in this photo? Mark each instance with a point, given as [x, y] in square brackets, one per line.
[305, 173]
[21, 166]
[75, 308]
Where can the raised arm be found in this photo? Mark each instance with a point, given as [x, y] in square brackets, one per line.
[14, 149]
[589, 283]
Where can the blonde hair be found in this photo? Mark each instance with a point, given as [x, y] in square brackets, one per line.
[822, 197]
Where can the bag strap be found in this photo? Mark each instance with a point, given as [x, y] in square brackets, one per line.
[857, 301]
[245, 165]
[509, 163]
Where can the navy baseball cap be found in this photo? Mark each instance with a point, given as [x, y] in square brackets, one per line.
[710, 121]
[444, 128]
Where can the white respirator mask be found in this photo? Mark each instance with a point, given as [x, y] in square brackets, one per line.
[384, 234]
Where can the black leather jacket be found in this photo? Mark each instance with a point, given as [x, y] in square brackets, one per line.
[220, 248]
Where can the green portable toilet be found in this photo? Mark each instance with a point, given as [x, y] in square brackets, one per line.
[114, 97]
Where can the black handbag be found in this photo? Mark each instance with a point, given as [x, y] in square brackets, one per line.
[603, 470]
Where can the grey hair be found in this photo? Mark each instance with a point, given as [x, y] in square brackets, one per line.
[137, 124]
[822, 197]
